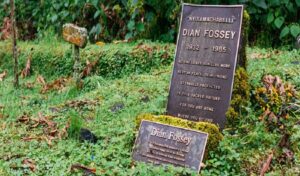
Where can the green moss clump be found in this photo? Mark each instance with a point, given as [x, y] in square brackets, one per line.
[214, 134]
[240, 96]
[241, 88]
[242, 57]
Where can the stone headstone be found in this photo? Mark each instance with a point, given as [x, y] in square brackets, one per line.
[75, 35]
[205, 62]
[164, 144]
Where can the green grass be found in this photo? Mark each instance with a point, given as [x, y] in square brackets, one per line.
[283, 63]
[242, 151]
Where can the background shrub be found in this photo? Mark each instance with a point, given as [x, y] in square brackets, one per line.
[273, 22]
[113, 60]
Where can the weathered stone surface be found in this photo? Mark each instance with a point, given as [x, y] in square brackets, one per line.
[165, 144]
[75, 35]
[205, 61]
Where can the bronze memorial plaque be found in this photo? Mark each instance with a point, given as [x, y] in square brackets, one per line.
[164, 144]
[205, 59]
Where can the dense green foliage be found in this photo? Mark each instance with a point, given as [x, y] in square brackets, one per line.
[112, 60]
[240, 97]
[109, 107]
[271, 20]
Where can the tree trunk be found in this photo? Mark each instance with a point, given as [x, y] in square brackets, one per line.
[15, 54]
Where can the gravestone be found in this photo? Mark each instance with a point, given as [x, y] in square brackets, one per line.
[78, 37]
[164, 144]
[75, 35]
[205, 61]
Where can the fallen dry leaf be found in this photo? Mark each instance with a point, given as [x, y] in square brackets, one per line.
[64, 132]
[88, 69]
[260, 55]
[265, 114]
[40, 79]
[266, 165]
[272, 117]
[3, 126]
[3, 75]
[271, 82]
[26, 71]
[279, 85]
[29, 163]
[52, 132]
[24, 118]
[49, 127]
[144, 47]
[6, 29]
[48, 139]
[11, 156]
[1, 116]
[82, 167]
[58, 84]
[29, 138]
[29, 85]
[44, 120]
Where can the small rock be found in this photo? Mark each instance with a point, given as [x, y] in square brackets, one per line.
[75, 35]
[295, 62]
[54, 110]
[117, 107]
[87, 135]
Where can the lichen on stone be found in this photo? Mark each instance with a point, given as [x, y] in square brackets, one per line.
[240, 96]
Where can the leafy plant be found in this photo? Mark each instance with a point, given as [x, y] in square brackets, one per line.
[276, 17]
[110, 20]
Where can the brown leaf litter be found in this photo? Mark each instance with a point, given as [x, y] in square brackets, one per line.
[83, 168]
[57, 84]
[88, 68]
[266, 165]
[30, 164]
[49, 127]
[26, 71]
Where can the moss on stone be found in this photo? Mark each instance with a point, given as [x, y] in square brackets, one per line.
[241, 88]
[240, 96]
[214, 134]
[242, 57]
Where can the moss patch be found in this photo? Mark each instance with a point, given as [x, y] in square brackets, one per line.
[242, 56]
[240, 96]
[241, 88]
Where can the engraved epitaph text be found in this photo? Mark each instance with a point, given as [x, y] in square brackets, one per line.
[163, 144]
[205, 61]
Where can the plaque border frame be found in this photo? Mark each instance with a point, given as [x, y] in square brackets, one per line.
[201, 157]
